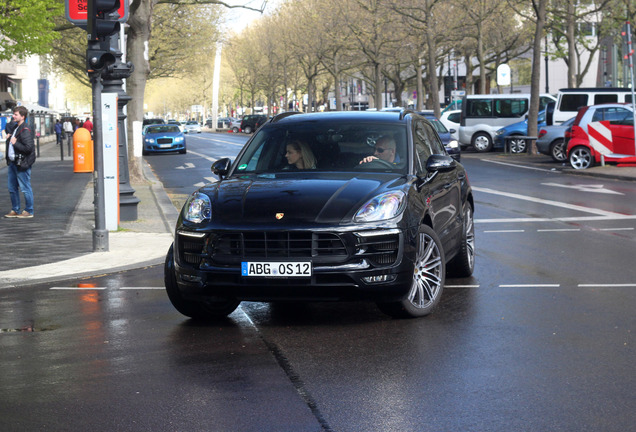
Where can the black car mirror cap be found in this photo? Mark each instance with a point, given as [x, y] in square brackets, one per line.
[221, 167]
[440, 163]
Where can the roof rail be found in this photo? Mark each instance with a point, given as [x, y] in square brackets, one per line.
[405, 112]
[281, 116]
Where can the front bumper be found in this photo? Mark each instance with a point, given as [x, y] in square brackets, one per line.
[365, 265]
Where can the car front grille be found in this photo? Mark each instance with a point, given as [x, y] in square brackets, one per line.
[378, 248]
[234, 247]
[164, 141]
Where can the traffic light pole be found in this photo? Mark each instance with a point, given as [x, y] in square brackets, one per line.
[100, 233]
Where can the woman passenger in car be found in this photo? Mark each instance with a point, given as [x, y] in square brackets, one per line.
[299, 156]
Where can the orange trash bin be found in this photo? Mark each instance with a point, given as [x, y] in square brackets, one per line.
[82, 151]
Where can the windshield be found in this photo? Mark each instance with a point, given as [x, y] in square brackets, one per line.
[163, 129]
[326, 146]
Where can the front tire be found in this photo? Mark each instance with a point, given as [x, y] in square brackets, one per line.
[463, 264]
[248, 130]
[482, 142]
[200, 311]
[581, 158]
[429, 274]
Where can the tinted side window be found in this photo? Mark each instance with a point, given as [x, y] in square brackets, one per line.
[454, 117]
[605, 98]
[511, 107]
[479, 107]
[572, 102]
[423, 147]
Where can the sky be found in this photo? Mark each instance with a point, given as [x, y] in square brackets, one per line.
[239, 18]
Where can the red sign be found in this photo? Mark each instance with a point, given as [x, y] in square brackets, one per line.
[76, 11]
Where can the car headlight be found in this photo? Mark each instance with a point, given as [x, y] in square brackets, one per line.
[453, 144]
[382, 207]
[150, 140]
[178, 139]
[499, 132]
[198, 208]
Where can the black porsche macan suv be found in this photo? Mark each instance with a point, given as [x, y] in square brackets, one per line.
[326, 206]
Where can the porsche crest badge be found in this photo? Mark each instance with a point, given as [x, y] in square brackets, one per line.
[279, 216]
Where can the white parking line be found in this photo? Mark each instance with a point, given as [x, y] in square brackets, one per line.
[78, 288]
[529, 286]
[600, 214]
[504, 231]
[606, 285]
[559, 230]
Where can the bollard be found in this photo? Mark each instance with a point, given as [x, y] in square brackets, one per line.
[82, 151]
[37, 143]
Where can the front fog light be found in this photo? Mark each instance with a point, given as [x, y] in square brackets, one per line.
[379, 279]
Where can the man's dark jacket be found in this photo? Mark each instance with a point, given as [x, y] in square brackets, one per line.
[24, 144]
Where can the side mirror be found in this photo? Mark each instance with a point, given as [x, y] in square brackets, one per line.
[452, 131]
[440, 163]
[221, 167]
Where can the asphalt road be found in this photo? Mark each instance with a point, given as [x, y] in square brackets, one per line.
[540, 338]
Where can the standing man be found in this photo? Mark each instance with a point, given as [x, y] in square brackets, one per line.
[20, 156]
[88, 124]
[68, 129]
[58, 131]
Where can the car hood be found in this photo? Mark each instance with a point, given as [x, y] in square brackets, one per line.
[313, 198]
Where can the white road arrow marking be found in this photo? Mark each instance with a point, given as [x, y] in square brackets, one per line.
[586, 188]
[186, 165]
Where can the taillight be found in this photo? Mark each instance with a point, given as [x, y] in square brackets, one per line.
[568, 133]
[542, 132]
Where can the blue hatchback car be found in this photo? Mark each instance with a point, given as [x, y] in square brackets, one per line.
[520, 129]
[163, 138]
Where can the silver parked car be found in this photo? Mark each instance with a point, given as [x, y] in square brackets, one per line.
[551, 140]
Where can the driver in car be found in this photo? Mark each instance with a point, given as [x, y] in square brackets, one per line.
[385, 150]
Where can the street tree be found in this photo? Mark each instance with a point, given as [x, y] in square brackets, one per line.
[28, 27]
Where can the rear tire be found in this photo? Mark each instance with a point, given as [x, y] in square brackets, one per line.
[517, 146]
[482, 142]
[429, 274]
[200, 311]
[581, 158]
[248, 129]
[463, 264]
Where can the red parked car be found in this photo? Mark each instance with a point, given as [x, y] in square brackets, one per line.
[602, 130]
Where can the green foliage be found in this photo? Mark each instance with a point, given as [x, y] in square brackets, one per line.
[27, 27]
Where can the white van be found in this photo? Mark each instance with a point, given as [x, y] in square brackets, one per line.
[483, 115]
[569, 100]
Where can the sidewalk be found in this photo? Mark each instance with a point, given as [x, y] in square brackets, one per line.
[57, 243]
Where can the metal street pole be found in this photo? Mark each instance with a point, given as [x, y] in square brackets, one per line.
[113, 83]
[100, 233]
[630, 54]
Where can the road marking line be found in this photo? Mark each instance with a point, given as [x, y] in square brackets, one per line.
[521, 166]
[77, 288]
[559, 229]
[504, 231]
[616, 229]
[606, 285]
[530, 286]
[142, 288]
[461, 286]
[559, 219]
[553, 203]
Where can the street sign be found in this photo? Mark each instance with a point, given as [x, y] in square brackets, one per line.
[77, 11]
[503, 75]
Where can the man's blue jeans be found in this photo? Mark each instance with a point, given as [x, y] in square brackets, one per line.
[20, 181]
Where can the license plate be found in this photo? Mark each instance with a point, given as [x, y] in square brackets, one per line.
[276, 269]
[165, 145]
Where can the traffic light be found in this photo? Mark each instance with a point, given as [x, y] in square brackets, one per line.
[103, 19]
[102, 22]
